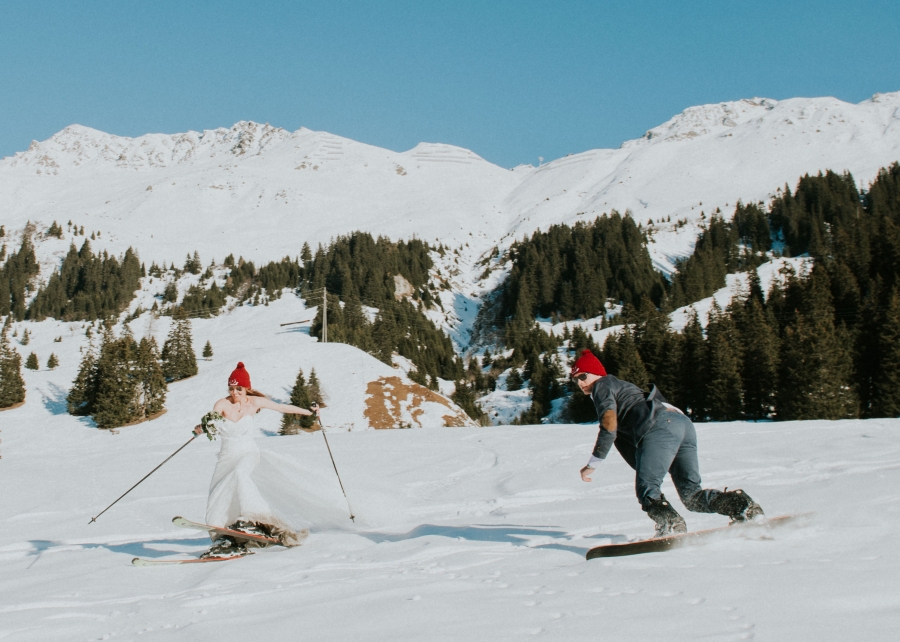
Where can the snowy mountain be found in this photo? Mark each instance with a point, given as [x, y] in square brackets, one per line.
[261, 191]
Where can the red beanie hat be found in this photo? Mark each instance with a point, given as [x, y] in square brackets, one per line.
[587, 362]
[240, 376]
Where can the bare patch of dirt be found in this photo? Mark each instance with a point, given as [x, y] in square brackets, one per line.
[391, 403]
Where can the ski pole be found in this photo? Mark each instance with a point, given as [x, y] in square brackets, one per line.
[322, 427]
[94, 519]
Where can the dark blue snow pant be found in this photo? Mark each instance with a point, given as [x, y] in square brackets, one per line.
[670, 446]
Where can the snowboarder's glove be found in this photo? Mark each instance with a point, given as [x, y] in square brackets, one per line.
[208, 423]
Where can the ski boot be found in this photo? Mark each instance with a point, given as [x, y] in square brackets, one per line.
[225, 547]
[737, 505]
[252, 528]
[668, 521]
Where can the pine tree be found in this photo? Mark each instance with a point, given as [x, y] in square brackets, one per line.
[12, 386]
[170, 294]
[886, 400]
[82, 395]
[622, 359]
[178, 357]
[192, 264]
[55, 230]
[816, 370]
[514, 380]
[760, 346]
[153, 388]
[207, 351]
[543, 374]
[315, 389]
[300, 397]
[723, 386]
[464, 397]
[694, 366]
[15, 279]
[52, 362]
[32, 362]
[118, 390]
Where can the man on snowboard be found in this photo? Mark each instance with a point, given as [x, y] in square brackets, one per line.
[654, 437]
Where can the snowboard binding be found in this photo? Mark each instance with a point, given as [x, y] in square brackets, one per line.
[668, 521]
[737, 505]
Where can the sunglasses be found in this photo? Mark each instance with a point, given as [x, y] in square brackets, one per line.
[581, 377]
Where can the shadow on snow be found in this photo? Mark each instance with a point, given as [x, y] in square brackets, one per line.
[147, 548]
[516, 535]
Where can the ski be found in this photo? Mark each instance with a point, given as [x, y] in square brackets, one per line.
[660, 544]
[141, 561]
[219, 530]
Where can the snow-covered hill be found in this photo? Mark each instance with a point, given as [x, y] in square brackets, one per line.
[261, 191]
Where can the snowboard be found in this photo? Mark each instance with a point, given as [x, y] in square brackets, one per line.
[141, 561]
[660, 544]
[220, 530]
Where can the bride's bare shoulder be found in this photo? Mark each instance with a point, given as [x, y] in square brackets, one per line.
[222, 405]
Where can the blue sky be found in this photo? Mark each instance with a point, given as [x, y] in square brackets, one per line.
[512, 81]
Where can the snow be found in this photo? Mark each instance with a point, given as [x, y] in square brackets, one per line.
[462, 533]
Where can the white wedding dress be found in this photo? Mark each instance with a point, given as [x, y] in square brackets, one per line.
[247, 483]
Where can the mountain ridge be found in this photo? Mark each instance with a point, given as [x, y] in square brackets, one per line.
[168, 195]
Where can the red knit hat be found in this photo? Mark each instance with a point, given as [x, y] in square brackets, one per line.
[587, 362]
[240, 376]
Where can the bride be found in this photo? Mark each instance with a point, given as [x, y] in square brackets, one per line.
[235, 500]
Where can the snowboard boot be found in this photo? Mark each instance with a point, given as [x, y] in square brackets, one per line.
[668, 521]
[225, 547]
[737, 505]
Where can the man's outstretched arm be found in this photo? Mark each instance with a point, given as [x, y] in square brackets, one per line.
[605, 438]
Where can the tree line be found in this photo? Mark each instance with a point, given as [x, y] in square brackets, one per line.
[821, 345]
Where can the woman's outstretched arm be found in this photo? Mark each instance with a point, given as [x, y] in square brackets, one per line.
[284, 408]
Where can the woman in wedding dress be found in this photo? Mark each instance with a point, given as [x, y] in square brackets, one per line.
[235, 500]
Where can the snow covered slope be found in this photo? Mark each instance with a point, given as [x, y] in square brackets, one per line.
[462, 534]
[359, 391]
[261, 191]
